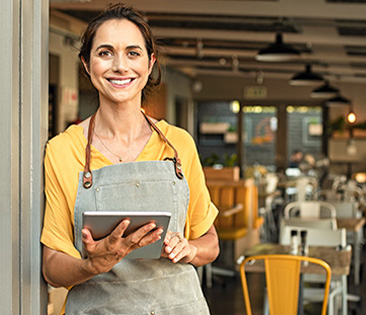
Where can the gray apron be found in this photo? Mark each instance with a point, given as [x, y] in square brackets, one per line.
[136, 286]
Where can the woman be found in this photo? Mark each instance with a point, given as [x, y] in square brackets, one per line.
[116, 160]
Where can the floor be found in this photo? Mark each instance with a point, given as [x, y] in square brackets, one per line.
[225, 296]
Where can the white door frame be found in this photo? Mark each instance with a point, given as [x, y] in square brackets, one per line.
[23, 133]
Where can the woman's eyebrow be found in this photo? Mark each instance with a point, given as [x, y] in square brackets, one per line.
[108, 46]
[134, 47]
[104, 46]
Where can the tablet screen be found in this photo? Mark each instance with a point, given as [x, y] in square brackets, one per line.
[102, 223]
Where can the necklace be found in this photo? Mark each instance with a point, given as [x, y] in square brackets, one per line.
[117, 156]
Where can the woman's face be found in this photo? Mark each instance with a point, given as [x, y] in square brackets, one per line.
[119, 63]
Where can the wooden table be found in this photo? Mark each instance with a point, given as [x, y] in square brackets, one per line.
[351, 224]
[354, 226]
[338, 260]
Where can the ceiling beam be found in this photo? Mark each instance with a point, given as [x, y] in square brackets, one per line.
[280, 8]
[259, 37]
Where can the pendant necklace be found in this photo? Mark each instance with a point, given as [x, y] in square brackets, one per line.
[117, 156]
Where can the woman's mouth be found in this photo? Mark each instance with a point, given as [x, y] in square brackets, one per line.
[120, 82]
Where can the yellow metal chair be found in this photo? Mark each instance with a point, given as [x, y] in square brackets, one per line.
[283, 280]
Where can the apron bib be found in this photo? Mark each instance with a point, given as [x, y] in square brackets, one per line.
[137, 286]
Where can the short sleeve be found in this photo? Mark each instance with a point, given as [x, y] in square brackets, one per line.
[57, 230]
[201, 211]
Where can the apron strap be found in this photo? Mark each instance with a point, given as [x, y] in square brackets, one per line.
[88, 176]
[176, 159]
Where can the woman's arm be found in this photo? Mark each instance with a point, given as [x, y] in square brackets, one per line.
[197, 252]
[60, 269]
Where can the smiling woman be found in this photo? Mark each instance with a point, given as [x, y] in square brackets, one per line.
[119, 64]
[134, 163]
[137, 20]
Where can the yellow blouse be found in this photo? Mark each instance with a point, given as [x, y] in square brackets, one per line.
[65, 158]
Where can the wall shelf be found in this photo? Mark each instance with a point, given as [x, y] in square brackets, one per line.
[214, 128]
[341, 135]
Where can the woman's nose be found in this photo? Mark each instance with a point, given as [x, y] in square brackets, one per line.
[119, 63]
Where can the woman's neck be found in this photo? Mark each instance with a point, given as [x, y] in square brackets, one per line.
[126, 123]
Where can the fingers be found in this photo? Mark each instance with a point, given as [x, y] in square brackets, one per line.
[118, 232]
[86, 235]
[178, 236]
[143, 236]
[105, 253]
[87, 239]
[150, 238]
[176, 247]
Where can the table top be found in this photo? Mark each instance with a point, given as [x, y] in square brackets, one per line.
[346, 159]
[338, 260]
[351, 224]
[287, 183]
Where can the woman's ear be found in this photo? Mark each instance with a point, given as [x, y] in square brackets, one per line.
[86, 66]
[151, 63]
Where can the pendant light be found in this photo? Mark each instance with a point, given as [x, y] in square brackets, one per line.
[306, 78]
[277, 51]
[324, 91]
[351, 116]
[338, 101]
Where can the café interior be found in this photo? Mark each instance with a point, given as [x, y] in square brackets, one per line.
[273, 93]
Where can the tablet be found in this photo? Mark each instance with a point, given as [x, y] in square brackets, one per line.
[102, 223]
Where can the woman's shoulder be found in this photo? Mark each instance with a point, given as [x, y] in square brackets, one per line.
[181, 139]
[175, 133]
[71, 139]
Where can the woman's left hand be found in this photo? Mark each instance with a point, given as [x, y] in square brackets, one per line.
[177, 248]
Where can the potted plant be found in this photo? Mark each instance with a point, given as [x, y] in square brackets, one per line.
[226, 171]
[340, 129]
[337, 128]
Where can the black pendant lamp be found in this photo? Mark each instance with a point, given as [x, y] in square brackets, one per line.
[338, 101]
[325, 91]
[306, 78]
[277, 52]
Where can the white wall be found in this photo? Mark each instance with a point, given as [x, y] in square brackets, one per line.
[341, 158]
[178, 85]
[232, 87]
[68, 79]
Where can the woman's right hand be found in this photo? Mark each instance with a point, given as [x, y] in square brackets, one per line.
[61, 269]
[102, 255]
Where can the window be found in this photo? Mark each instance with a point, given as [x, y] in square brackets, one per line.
[260, 125]
[304, 130]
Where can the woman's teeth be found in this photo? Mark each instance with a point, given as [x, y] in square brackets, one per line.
[121, 82]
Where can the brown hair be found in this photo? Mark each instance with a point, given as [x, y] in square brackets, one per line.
[120, 12]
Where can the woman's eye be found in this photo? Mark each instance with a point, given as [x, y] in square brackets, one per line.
[134, 53]
[105, 53]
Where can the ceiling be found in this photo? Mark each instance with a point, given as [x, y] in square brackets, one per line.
[222, 37]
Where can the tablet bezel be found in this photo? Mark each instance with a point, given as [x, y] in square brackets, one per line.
[102, 223]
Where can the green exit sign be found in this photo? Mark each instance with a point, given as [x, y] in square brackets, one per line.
[255, 92]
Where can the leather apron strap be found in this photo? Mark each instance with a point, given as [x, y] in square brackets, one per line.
[88, 176]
